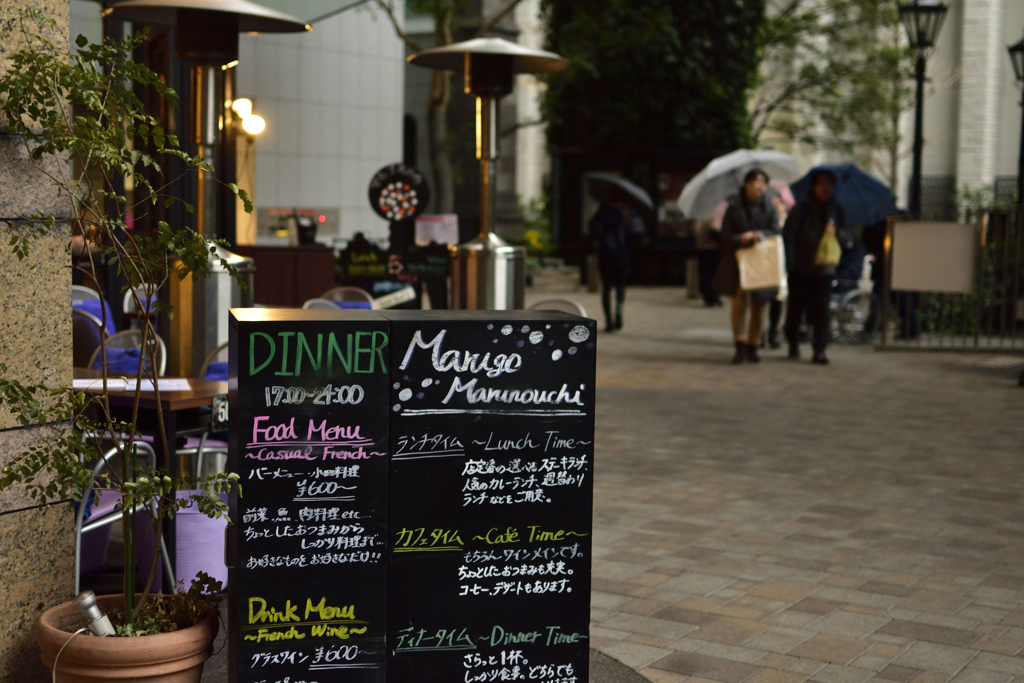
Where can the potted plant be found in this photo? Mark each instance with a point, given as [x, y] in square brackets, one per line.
[84, 108]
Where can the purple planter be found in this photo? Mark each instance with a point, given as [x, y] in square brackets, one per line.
[200, 544]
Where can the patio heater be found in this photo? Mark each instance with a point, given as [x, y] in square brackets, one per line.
[1017, 59]
[207, 39]
[488, 273]
[923, 20]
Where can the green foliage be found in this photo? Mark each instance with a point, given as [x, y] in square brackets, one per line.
[660, 74]
[971, 203]
[184, 608]
[833, 74]
[84, 107]
[537, 227]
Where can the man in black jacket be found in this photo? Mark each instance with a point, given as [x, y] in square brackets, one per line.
[810, 284]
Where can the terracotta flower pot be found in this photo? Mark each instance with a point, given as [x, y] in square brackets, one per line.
[175, 657]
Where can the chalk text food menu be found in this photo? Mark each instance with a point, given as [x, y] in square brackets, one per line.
[309, 590]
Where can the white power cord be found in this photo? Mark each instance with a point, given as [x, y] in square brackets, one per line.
[84, 628]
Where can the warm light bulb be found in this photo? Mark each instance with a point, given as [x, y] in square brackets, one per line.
[242, 106]
[253, 124]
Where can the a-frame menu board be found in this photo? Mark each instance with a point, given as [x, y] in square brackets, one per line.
[456, 491]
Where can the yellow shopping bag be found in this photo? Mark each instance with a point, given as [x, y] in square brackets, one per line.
[829, 251]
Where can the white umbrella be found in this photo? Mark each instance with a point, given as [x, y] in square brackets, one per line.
[724, 175]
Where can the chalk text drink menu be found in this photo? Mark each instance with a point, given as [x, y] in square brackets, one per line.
[492, 422]
[309, 588]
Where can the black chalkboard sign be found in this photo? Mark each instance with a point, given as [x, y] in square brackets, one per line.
[491, 496]
[308, 589]
[417, 496]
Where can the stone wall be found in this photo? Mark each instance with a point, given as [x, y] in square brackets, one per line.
[36, 546]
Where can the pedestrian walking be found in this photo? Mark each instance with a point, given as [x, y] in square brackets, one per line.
[775, 305]
[615, 228]
[709, 249]
[810, 279]
[749, 218]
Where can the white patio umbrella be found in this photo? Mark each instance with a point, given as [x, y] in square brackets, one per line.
[724, 175]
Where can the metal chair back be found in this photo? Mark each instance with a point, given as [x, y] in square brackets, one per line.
[132, 339]
[560, 304]
[86, 336]
[347, 294]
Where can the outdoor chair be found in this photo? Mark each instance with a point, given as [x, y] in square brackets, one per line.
[560, 304]
[81, 293]
[94, 515]
[123, 350]
[215, 367]
[345, 294]
[325, 304]
[133, 317]
[208, 455]
[86, 335]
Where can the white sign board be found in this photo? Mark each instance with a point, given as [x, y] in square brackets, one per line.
[933, 257]
[441, 228]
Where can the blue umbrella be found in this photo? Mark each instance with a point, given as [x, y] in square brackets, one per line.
[865, 199]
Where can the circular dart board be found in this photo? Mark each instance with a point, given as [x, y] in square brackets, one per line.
[398, 192]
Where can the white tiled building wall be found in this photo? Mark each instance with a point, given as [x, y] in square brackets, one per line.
[532, 160]
[332, 99]
[972, 115]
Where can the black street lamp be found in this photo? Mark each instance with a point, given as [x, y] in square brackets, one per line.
[923, 21]
[1017, 59]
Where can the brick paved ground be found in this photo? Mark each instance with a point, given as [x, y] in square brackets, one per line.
[787, 522]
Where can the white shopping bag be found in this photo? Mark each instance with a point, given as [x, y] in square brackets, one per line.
[763, 265]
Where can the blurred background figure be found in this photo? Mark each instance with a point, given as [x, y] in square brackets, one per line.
[810, 284]
[708, 240]
[615, 228]
[749, 219]
[782, 199]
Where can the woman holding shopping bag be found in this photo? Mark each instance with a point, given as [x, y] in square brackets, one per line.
[749, 219]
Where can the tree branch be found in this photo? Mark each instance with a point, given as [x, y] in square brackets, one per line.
[488, 24]
[390, 11]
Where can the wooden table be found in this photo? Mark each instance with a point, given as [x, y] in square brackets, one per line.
[180, 409]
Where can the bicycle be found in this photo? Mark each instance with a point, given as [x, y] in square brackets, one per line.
[854, 309]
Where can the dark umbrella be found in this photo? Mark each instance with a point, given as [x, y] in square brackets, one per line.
[604, 187]
[865, 199]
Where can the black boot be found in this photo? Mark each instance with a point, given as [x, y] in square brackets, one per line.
[794, 350]
[618, 320]
[752, 353]
[773, 339]
[741, 353]
[819, 358]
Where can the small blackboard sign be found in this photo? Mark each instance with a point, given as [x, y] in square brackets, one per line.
[491, 496]
[308, 588]
[431, 261]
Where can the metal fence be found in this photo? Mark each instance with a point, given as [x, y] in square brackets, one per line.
[989, 318]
